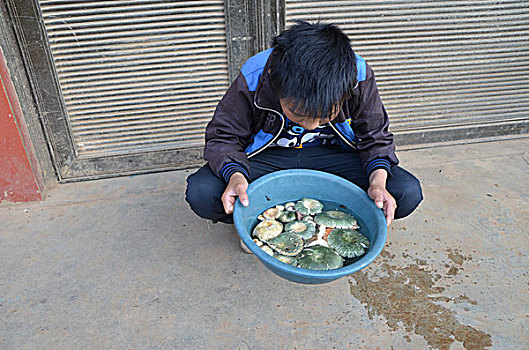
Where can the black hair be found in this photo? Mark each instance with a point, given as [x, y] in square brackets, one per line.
[313, 67]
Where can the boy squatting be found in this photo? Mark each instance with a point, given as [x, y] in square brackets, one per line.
[308, 102]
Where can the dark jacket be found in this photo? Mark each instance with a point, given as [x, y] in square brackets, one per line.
[249, 118]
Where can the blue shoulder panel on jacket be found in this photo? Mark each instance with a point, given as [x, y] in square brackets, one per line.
[253, 68]
[259, 140]
[360, 68]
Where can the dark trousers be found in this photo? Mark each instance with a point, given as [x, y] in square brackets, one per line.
[204, 189]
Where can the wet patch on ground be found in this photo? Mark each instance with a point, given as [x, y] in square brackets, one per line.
[408, 297]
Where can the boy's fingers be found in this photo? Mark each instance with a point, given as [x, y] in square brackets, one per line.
[389, 217]
[377, 197]
[379, 201]
[230, 196]
[389, 210]
[389, 220]
[228, 206]
[243, 196]
[228, 200]
[244, 200]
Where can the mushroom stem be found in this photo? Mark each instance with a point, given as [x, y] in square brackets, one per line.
[318, 238]
[328, 231]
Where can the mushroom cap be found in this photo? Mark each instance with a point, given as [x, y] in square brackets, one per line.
[336, 218]
[272, 213]
[290, 206]
[267, 229]
[268, 250]
[348, 243]
[308, 218]
[287, 216]
[288, 243]
[308, 206]
[305, 229]
[319, 258]
[291, 260]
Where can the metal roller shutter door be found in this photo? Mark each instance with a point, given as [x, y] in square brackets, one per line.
[137, 75]
[133, 82]
[447, 70]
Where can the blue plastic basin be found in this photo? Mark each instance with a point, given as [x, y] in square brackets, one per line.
[291, 185]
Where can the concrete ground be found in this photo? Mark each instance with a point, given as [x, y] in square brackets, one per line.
[124, 264]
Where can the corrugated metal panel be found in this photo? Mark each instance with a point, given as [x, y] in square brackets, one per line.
[137, 75]
[438, 63]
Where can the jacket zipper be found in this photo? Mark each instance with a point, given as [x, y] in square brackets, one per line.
[276, 135]
[283, 124]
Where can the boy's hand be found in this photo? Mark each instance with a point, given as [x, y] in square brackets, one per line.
[236, 188]
[378, 193]
[384, 201]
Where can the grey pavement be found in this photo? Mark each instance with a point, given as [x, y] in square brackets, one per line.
[123, 263]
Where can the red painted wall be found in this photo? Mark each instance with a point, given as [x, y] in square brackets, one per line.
[19, 180]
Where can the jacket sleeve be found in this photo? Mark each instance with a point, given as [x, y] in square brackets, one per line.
[229, 131]
[370, 123]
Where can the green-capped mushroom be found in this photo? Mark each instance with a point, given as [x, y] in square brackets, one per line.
[348, 243]
[319, 258]
[308, 218]
[267, 229]
[290, 206]
[305, 229]
[291, 260]
[336, 218]
[308, 206]
[287, 243]
[287, 216]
